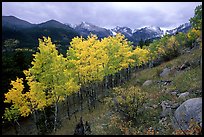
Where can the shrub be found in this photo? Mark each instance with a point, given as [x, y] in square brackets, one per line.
[130, 101]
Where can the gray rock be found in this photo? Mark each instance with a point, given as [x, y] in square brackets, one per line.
[154, 106]
[164, 82]
[192, 108]
[104, 125]
[166, 109]
[165, 72]
[185, 65]
[183, 95]
[147, 83]
[174, 93]
[163, 121]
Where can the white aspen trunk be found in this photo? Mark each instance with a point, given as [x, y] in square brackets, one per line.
[56, 116]
[45, 116]
[35, 121]
[105, 87]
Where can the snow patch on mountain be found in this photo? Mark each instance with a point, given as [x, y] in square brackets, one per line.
[71, 25]
[154, 28]
[124, 30]
[113, 32]
[90, 27]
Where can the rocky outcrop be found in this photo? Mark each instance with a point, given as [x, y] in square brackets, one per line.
[166, 108]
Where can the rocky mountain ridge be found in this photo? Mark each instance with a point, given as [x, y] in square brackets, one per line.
[85, 28]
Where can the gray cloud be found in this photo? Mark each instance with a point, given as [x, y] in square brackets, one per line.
[104, 14]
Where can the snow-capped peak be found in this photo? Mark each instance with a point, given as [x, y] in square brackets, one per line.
[89, 27]
[116, 29]
[85, 25]
[154, 28]
[123, 30]
[182, 28]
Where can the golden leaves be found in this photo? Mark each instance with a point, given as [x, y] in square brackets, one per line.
[141, 56]
[14, 94]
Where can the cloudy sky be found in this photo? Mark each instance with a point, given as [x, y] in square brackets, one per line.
[104, 14]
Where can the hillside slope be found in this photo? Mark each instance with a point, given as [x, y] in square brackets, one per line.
[184, 75]
[106, 121]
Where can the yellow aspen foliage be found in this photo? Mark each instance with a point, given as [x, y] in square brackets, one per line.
[14, 94]
[119, 53]
[141, 56]
[172, 43]
[193, 34]
[88, 57]
[17, 98]
[50, 73]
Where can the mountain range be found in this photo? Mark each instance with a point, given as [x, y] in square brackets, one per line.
[62, 33]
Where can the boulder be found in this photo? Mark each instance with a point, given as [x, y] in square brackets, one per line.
[192, 108]
[165, 72]
[147, 83]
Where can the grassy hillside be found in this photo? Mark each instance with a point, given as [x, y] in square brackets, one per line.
[106, 121]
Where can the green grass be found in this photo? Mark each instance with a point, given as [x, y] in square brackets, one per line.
[191, 79]
[68, 126]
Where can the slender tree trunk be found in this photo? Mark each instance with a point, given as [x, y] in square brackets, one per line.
[95, 92]
[35, 121]
[45, 116]
[56, 116]
[129, 72]
[125, 74]
[88, 97]
[98, 88]
[92, 95]
[68, 112]
[81, 98]
[112, 80]
[135, 67]
[105, 86]
[74, 99]
[14, 124]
